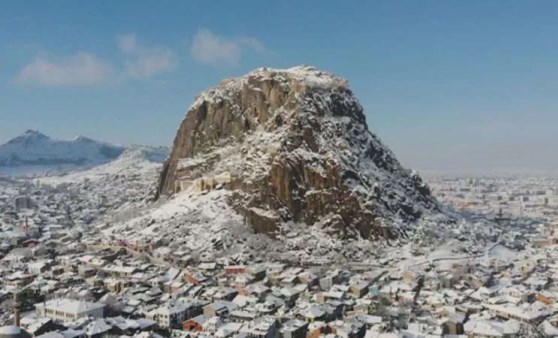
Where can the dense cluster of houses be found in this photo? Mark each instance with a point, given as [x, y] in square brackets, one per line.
[533, 197]
[86, 292]
[59, 279]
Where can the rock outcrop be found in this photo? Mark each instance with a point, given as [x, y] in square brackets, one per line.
[294, 145]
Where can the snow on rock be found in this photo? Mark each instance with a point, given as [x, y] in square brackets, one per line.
[279, 165]
[203, 225]
[292, 145]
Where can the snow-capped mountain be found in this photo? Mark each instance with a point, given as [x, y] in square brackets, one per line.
[36, 153]
[35, 148]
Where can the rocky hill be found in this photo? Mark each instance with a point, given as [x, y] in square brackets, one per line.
[293, 146]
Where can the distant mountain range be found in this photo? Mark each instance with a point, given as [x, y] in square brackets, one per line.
[34, 152]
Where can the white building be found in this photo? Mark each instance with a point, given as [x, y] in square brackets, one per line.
[68, 310]
[172, 315]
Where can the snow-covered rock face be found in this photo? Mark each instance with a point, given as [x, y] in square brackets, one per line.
[293, 146]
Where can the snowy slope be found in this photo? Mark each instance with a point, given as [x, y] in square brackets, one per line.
[137, 161]
[203, 225]
[125, 184]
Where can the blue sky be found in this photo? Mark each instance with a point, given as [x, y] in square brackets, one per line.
[448, 85]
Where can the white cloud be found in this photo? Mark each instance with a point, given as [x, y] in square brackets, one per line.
[253, 43]
[215, 50]
[81, 69]
[144, 62]
[86, 69]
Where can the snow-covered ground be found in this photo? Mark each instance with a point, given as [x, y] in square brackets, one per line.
[131, 162]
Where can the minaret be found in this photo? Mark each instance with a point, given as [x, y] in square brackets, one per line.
[26, 226]
[16, 308]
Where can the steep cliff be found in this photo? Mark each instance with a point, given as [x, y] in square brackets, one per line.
[294, 145]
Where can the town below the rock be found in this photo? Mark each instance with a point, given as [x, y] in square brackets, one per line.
[64, 275]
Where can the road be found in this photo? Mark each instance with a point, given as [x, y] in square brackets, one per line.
[441, 259]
